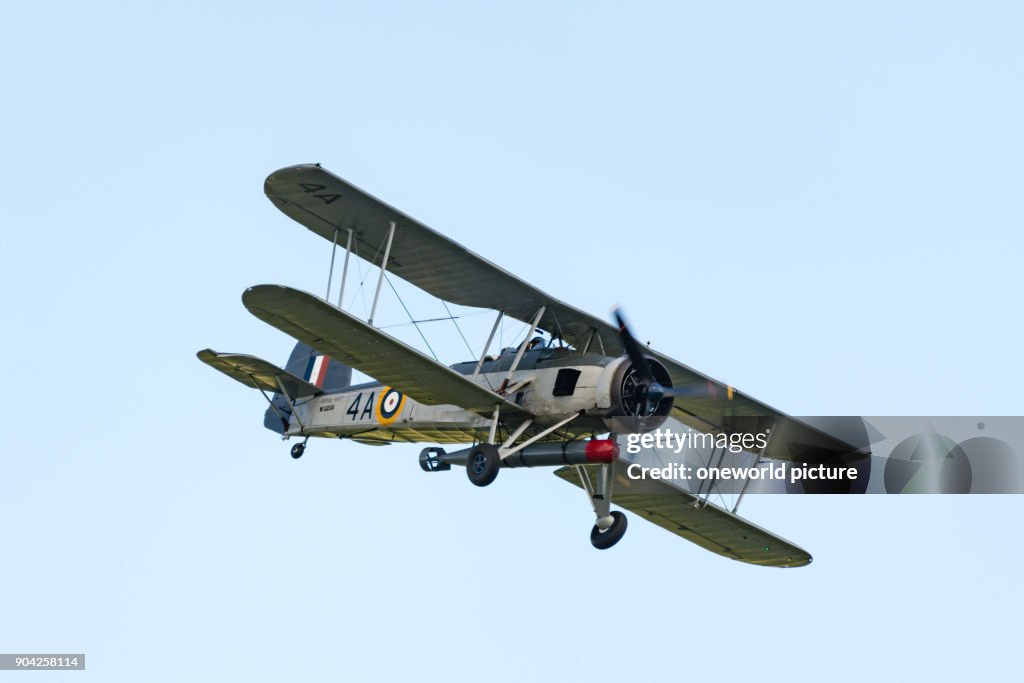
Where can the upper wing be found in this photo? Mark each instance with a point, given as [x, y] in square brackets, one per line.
[714, 407]
[325, 203]
[329, 206]
[258, 373]
[706, 524]
[355, 343]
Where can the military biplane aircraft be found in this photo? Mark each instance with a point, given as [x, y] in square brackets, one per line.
[563, 403]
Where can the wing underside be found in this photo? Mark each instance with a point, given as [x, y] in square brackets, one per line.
[359, 345]
[257, 373]
[329, 206]
[706, 524]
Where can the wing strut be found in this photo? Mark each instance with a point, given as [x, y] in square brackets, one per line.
[291, 405]
[487, 346]
[330, 271]
[507, 449]
[494, 424]
[344, 269]
[383, 269]
[757, 461]
[522, 348]
[590, 338]
[712, 482]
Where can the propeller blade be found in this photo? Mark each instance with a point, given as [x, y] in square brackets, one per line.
[633, 350]
[701, 391]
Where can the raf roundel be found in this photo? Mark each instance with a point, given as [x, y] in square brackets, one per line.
[389, 405]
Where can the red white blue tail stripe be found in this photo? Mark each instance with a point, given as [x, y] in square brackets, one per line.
[316, 370]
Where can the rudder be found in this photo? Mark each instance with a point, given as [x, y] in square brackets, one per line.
[317, 369]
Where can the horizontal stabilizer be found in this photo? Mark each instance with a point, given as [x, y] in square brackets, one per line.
[365, 348]
[706, 524]
[258, 373]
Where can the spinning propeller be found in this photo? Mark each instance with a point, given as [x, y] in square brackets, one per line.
[649, 391]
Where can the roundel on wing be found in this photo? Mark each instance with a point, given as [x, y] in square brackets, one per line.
[389, 405]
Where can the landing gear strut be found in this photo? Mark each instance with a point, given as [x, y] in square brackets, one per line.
[610, 526]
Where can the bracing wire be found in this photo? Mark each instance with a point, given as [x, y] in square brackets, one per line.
[472, 354]
[457, 328]
[411, 319]
[361, 290]
[360, 293]
[430, 320]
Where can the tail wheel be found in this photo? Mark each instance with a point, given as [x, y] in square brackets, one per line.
[483, 464]
[602, 540]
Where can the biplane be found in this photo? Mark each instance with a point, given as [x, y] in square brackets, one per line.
[562, 397]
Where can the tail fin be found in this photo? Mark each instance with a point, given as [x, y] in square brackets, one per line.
[315, 368]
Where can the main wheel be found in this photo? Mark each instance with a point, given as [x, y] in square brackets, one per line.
[483, 464]
[298, 449]
[602, 540]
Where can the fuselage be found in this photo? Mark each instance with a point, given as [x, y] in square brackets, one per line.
[549, 383]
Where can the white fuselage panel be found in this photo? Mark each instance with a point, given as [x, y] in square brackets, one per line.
[379, 407]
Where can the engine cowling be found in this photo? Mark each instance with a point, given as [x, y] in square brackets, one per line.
[629, 413]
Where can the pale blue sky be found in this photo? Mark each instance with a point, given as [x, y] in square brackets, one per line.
[828, 201]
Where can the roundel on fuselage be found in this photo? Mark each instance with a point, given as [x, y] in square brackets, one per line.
[389, 405]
